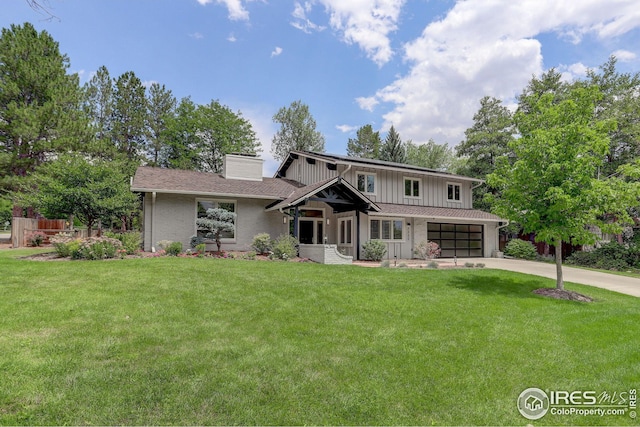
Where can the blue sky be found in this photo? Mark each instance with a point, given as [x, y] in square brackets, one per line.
[421, 65]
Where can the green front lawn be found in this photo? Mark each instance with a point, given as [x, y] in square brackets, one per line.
[207, 341]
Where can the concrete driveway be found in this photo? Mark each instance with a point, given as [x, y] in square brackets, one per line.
[612, 282]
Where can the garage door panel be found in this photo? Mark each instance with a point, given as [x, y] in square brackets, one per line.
[457, 240]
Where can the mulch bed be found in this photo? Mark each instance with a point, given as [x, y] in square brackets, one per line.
[562, 294]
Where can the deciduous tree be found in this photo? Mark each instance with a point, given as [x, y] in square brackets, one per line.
[297, 131]
[551, 188]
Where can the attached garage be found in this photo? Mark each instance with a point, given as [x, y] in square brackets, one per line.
[457, 240]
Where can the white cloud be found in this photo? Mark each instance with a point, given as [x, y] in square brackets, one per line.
[237, 11]
[196, 35]
[573, 72]
[232, 38]
[484, 48]
[366, 23]
[624, 55]
[276, 52]
[346, 128]
[367, 103]
[300, 19]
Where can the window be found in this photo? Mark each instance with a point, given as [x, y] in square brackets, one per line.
[412, 187]
[204, 205]
[367, 183]
[453, 192]
[386, 229]
[345, 227]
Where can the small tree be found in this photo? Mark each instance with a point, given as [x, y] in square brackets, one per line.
[552, 187]
[427, 250]
[216, 222]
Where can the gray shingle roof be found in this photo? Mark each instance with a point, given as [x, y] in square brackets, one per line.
[436, 213]
[148, 179]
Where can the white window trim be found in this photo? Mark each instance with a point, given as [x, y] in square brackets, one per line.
[412, 179]
[340, 222]
[375, 182]
[222, 239]
[380, 218]
[460, 192]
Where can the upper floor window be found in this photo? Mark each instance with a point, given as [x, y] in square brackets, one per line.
[204, 204]
[453, 192]
[367, 183]
[412, 187]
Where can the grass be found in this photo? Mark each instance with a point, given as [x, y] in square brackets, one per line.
[168, 341]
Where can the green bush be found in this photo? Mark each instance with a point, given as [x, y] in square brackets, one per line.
[196, 240]
[201, 249]
[520, 249]
[261, 243]
[173, 248]
[95, 248]
[131, 240]
[284, 247]
[610, 256]
[374, 250]
[36, 238]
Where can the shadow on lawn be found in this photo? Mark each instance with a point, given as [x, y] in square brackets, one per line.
[499, 284]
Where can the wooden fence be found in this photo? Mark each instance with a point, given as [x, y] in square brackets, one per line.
[22, 227]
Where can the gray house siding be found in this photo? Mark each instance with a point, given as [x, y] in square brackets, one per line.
[172, 217]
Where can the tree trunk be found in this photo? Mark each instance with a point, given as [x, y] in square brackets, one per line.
[559, 280]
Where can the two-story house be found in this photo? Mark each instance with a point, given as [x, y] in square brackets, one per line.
[322, 199]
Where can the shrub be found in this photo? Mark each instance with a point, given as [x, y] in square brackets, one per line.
[201, 249]
[261, 243]
[251, 255]
[196, 240]
[62, 242]
[385, 264]
[520, 249]
[36, 238]
[284, 247]
[427, 250]
[174, 248]
[469, 264]
[95, 248]
[164, 244]
[610, 256]
[131, 240]
[433, 264]
[480, 265]
[374, 250]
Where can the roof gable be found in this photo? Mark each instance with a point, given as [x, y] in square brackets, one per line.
[335, 159]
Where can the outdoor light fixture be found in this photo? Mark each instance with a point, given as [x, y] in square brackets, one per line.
[284, 219]
[327, 221]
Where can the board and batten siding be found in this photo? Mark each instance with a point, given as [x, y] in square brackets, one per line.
[433, 189]
[302, 171]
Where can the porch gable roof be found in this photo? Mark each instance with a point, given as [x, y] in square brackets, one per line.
[336, 192]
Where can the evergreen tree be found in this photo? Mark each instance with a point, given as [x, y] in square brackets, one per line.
[98, 105]
[393, 149]
[129, 117]
[161, 104]
[40, 111]
[366, 145]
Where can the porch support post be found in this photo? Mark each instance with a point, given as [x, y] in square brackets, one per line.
[296, 232]
[357, 235]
